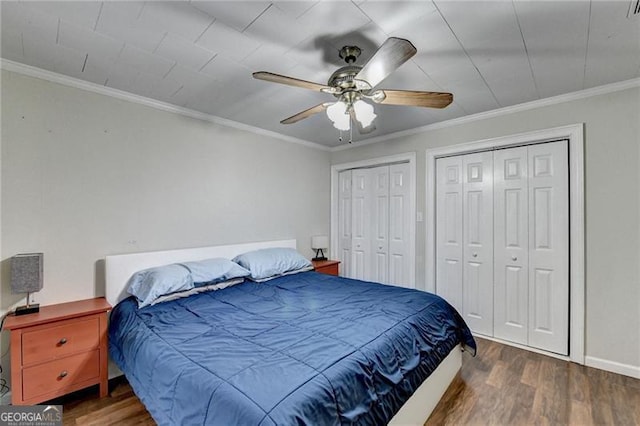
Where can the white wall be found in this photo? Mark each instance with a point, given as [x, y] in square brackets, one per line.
[612, 164]
[86, 175]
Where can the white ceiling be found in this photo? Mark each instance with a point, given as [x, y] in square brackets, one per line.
[200, 55]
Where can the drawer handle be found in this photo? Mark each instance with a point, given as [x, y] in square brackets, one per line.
[62, 341]
[63, 374]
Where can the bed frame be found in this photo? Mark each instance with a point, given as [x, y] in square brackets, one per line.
[119, 268]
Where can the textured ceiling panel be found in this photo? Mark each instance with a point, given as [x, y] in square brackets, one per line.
[613, 49]
[235, 14]
[490, 35]
[200, 55]
[552, 40]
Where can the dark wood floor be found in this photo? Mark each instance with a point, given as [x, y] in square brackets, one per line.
[502, 385]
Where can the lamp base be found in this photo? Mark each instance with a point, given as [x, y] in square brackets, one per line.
[28, 309]
[319, 255]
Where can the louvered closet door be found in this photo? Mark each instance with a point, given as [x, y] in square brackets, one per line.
[344, 222]
[380, 224]
[400, 218]
[360, 224]
[511, 246]
[477, 237]
[549, 246]
[449, 230]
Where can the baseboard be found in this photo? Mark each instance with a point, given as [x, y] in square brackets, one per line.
[525, 347]
[612, 366]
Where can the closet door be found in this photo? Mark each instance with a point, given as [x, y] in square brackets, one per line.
[549, 247]
[477, 237]
[380, 224]
[360, 224]
[400, 218]
[344, 222]
[449, 230]
[511, 246]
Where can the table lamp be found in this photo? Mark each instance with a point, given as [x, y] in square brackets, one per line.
[319, 243]
[26, 277]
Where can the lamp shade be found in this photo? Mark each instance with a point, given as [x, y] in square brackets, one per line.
[26, 273]
[319, 242]
[364, 113]
[338, 114]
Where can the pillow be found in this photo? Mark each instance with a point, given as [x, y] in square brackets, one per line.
[149, 284]
[296, 271]
[196, 290]
[269, 263]
[211, 271]
[220, 285]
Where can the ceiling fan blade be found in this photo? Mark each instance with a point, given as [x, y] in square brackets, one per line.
[412, 98]
[306, 113]
[361, 130]
[283, 79]
[393, 53]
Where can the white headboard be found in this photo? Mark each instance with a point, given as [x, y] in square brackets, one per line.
[119, 268]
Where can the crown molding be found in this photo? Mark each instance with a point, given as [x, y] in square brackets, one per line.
[31, 71]
[65, 80]
[539, 103]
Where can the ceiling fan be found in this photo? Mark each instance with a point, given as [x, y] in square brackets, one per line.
[353, 84]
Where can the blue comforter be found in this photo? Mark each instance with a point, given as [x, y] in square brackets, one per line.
[301, 349]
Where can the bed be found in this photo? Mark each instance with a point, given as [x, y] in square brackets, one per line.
[300, 349]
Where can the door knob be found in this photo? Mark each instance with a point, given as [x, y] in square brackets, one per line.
[514, 258]
[475, 255]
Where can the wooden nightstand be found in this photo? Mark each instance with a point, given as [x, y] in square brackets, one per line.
[330, 267]
[61, 349]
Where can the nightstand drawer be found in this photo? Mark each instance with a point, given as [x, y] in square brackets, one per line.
[329, 269]
[60, 375]
[69, 337]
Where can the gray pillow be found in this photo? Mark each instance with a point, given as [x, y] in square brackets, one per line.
[150, 284]
[272, 262]
[211, 271]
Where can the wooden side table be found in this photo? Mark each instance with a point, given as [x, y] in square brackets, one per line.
[61, 349]
[330, 267]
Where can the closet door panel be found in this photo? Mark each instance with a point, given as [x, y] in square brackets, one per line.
[477, 231]
[449, 230]
[380, 224]
[400, 218]
[511, 279]
[549, 247]
[360, 224]
[344, 222]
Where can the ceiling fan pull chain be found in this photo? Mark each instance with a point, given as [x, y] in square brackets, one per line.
[350, 130]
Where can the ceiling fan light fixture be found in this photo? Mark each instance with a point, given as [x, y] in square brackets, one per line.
[337, 113]
[364, 113]
[353, 87]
